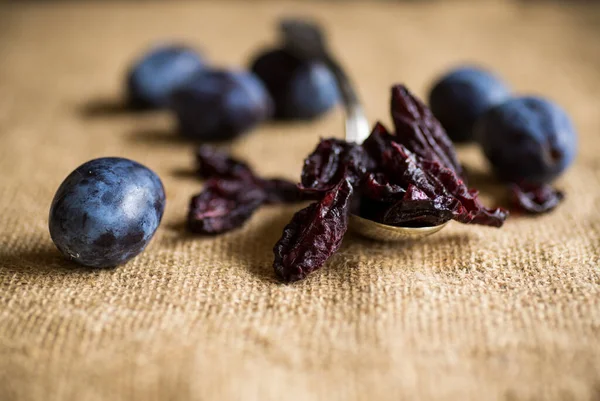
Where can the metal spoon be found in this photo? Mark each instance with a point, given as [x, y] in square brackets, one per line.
[306, 40]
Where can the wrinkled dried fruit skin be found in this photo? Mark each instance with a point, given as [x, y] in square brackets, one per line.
[412, 178]
[416, 209]
[314, 234]
[332, 160]
[233, 193]
[282, 191]
[420, 131]
[223, 205]
[416, 213]
[377, 143]
[471, 210]
[441, 184]
[213, 163]
[323, 167]
[376, 186]
[535, 199]
[402, 167]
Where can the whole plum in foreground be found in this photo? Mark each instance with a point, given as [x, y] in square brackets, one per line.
[461, 96]
[300, 90]
[527, 139]
[216, 105]
[106, 211]
[152, 78]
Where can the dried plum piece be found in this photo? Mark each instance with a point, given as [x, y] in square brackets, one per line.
[376, 186]
[278, 190]
[416, 209]
[535, 199]
[213, 163]
[403, 168]
[358, 162]
[371, 209]
[331, 160]
[223, 205]
[413, 209]
[324, 166]
[441, 184]
[378, 142]
[416, 213]
[314, 234]
[472, 210]
[420, 132]
[414, 193]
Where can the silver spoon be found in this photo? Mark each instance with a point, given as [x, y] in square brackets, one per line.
[306, 40]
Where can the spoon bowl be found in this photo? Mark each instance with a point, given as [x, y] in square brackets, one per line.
[306, 40]
[385, 233]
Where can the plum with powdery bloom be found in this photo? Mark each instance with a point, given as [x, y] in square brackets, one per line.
[106, 212]
[151, 79]
[300, 89]
[461, 96]
[527, 140]
[217, 105]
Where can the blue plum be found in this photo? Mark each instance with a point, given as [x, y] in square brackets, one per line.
[527, 139]
[106, 211]
[152, 78]
[300, 90]
[461, 96]
[215, 105]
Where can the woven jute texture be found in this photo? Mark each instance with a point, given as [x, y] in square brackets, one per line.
[472, 313]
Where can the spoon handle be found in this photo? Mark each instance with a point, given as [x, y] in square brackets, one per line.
[357, 125]
[307, 41]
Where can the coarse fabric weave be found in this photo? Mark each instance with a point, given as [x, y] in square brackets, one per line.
[472, 313]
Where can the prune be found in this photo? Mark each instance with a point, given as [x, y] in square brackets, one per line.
[217, 105]
[314, 234]
[300, 89]
[441, 184]
[151, 79]
[420, 132]
[527, 139]
[214, 163]
[461, 96]
[330, 161]
[223, 205]
[278, 190]
[535, 199]
[233, 193]
[106, 212]
[470, 209]
[376, 186]
[410, 208]
[416, 213]
[410, 179]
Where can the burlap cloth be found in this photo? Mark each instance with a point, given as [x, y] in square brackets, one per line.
[470, 314]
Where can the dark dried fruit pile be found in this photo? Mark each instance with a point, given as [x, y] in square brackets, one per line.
[232, 193]
[409, 178]
[534, 198]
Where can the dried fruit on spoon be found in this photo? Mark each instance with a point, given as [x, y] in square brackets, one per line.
[409, 178]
